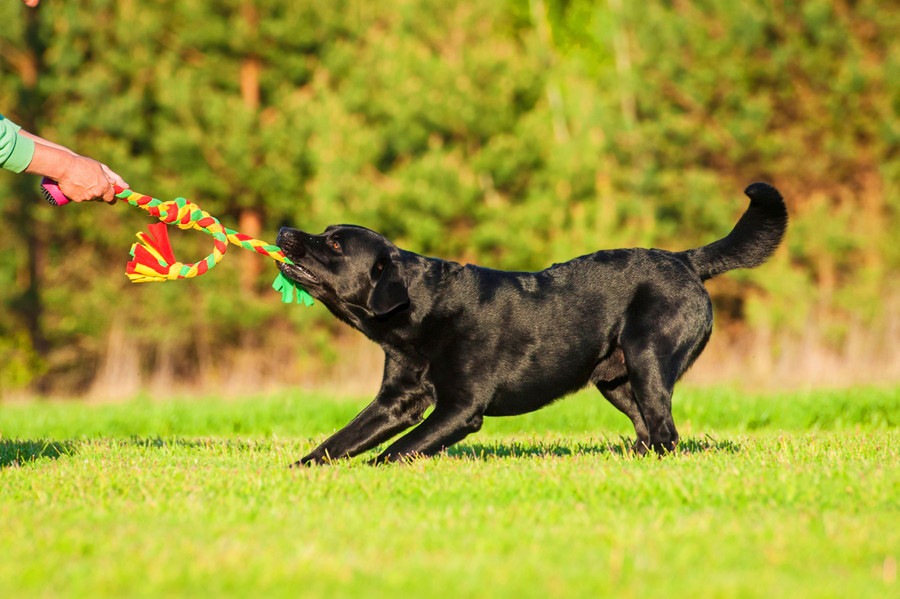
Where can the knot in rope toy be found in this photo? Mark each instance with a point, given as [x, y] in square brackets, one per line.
[153, 259]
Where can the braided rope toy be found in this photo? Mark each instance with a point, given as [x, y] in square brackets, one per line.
[153, 259]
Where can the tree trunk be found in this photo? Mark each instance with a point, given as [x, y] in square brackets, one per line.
[250, 219]
[31, 305]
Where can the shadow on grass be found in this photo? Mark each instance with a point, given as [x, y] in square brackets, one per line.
[500, 449]
[14, 453]
[708, 445]
[537, 449]
[158, 442]
[197, 443]
[621, 447]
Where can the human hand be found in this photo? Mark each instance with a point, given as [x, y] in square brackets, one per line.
[84, 179]
[114, 177]
[79, 178]
[31, 3]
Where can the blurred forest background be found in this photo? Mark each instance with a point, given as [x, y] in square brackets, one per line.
[509, 133]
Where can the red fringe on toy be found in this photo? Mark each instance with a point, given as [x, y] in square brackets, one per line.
[158, 240]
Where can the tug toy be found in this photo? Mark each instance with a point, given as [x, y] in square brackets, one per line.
[152, 257]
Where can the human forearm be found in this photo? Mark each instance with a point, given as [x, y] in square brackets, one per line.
[41, 140]
[51, 161]
[80, 178]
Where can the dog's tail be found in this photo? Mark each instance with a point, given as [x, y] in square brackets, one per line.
[753, 239]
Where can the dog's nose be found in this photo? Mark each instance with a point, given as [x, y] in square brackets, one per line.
[288, 241]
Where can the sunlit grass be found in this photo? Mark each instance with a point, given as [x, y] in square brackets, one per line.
[195, 499]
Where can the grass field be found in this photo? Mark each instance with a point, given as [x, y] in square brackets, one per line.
[786, 495]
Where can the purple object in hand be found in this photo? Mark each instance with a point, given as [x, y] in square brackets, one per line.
[52, 192]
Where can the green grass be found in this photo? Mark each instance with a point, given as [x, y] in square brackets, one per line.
[787, 495]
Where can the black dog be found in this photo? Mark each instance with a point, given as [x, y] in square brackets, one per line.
[475, 342]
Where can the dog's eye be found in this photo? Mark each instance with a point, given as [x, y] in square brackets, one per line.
[378, 269]
[335, 245]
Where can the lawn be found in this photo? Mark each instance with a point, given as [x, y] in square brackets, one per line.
[777, 495]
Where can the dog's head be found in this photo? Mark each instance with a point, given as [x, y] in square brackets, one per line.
[346, 267]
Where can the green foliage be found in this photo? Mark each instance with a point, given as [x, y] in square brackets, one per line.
[512, 134]
[19, 363]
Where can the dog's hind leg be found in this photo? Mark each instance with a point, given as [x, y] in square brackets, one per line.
[651, 367]
[666, 328]
[611, 378]
[620, 394]
[653, 395]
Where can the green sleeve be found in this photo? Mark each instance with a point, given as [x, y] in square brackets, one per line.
[16, 151]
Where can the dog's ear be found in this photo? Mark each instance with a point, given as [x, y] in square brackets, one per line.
[389, 291]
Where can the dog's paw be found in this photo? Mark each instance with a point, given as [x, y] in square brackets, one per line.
[664, 447]
[310, 460]
[640, 447]
[398, 458]
[316, 458]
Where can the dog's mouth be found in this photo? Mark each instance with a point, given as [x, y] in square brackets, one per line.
[298, 273]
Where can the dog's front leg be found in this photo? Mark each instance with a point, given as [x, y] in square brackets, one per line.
[400, 403]
[378, 422]
[443, 427]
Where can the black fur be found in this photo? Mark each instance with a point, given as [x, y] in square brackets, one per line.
[475, 342]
